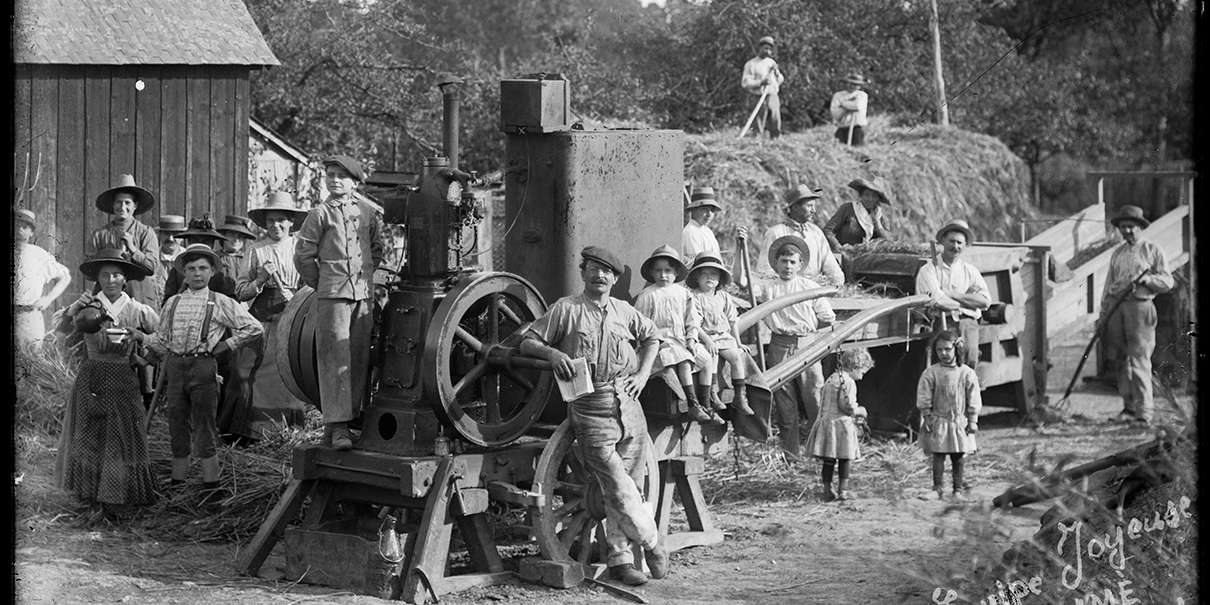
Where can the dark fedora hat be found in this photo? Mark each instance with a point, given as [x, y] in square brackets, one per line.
[193, 252]
[603, 256]
[143, 200]
[352, 166]
[201, 227]
[802, 192]
[279, 201]
[669, 253]
[876, 186]
[798, 241]
[1130, 213]
[112, 256]
[708, 260]
[702, 197]
[237, 225]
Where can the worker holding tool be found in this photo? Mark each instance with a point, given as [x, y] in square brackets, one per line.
[1137, 272]
[762, 77]
[958, 289]
[818, 262]
[849, 111]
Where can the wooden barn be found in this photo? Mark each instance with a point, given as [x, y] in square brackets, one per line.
[154, 88]
[275, 164]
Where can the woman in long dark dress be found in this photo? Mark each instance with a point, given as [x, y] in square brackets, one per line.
[102, 450]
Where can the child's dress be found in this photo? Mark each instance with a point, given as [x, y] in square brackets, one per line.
[718, 316]
[834, 433]
[674, 311]
[102, 450]
[949, 400]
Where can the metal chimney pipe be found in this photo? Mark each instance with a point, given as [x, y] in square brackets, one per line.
[450, 101]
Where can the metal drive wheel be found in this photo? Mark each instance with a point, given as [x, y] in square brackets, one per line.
[295, 352]
[571, 526]
[486, 403]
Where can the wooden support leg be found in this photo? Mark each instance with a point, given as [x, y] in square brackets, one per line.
[271, 530]
[321, 496]
[479, 543]
[426, 567]
[684, 473]
[663, 511]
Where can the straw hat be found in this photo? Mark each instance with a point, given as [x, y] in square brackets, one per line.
[112, 256]
[143, 200]
[802, 192]
[957, 225]
[237, 225]
[603, 256]
[789, 239]
[1130, 213]
[21, 215]
[877, 186]
[855, 78]
[702, 197]
[766, 40]
[669, 253]
[279, 201]
[171, 223]
[708, 260]
[191, 253]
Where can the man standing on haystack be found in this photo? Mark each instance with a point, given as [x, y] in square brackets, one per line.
[849, 111]
[1137, 272]
[762, 77]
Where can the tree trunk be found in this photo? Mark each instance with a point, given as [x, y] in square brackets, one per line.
[943, 112]
[1035, 187]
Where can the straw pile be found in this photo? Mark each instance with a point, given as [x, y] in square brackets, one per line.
[934, 174]
[43, 381]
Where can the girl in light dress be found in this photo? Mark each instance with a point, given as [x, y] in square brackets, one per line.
[707, 278]
[833, 437]
[949, 402]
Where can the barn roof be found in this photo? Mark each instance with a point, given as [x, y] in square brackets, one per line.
[128, 32]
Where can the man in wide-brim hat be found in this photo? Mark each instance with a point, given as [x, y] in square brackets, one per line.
[697, 237]
[858, 221]
[137, 241]
[801, 204]
[38, 279]
[267, 283]
[956, 286]
[762, 76]
[1138, 271]
[848, 110]
[620, 346]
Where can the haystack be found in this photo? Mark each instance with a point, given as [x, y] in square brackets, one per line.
[934, 174]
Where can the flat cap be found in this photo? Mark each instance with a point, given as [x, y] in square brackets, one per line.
[603, 256]
[353, 167]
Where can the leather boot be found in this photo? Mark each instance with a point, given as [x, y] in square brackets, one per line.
[180, 469]
[341, 439]
[657, 561]
[828, 494]
[740, 402]
[841, 484]
[627, 575]
[706, 394]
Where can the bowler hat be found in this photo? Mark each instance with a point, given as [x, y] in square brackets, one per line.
[238, 225]
[860, 185]
[855, 78]
[171, 223]
[603, 256]
[702, 197]
[112, 256]
[802, 192]
[191, 253]
[279, 201]
[21, 215]
[1130, 213]
[789, 239]
[143, 200]
[669, 253]
[766, 40]
[957, 225]
[353, 167]
[708, 260]
[201, 227]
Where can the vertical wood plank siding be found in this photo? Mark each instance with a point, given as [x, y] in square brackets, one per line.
[184, 137]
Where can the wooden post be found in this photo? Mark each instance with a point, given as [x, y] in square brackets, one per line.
[943, 113]
[1191, 246]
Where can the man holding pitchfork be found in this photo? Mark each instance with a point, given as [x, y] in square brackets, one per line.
[269, 280]
[762, 77]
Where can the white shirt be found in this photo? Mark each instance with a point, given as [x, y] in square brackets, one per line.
[940, 281]
[697, 238]
[849, 108]
[820, 264]
[794, 320]
[755, 72]
[35, 269]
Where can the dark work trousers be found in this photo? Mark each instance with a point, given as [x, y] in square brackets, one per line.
[191, 391]
[798, 401]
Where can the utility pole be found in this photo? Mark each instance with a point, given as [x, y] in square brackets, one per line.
[943, 112]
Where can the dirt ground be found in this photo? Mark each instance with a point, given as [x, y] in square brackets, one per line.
[783, 544]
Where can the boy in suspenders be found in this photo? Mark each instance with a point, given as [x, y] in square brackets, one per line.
[189, 336]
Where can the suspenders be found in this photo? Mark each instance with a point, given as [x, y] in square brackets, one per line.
[176, 300]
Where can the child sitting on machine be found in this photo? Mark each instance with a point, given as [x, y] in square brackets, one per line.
[833, 437]
[675, 313]
[707, 278]
[949, 401]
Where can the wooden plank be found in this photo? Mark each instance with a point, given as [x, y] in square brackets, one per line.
[44, 134]
[254, 554]
[222, 145]
[1073, 233]
[96, 146]
[72, 209]
[197, 136]
[21, 144]
[147, 140]
[174, 144]
[122, 116]
[243, 163]
[426, 566]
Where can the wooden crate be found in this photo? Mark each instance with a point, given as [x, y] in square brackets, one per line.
[334, 555]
